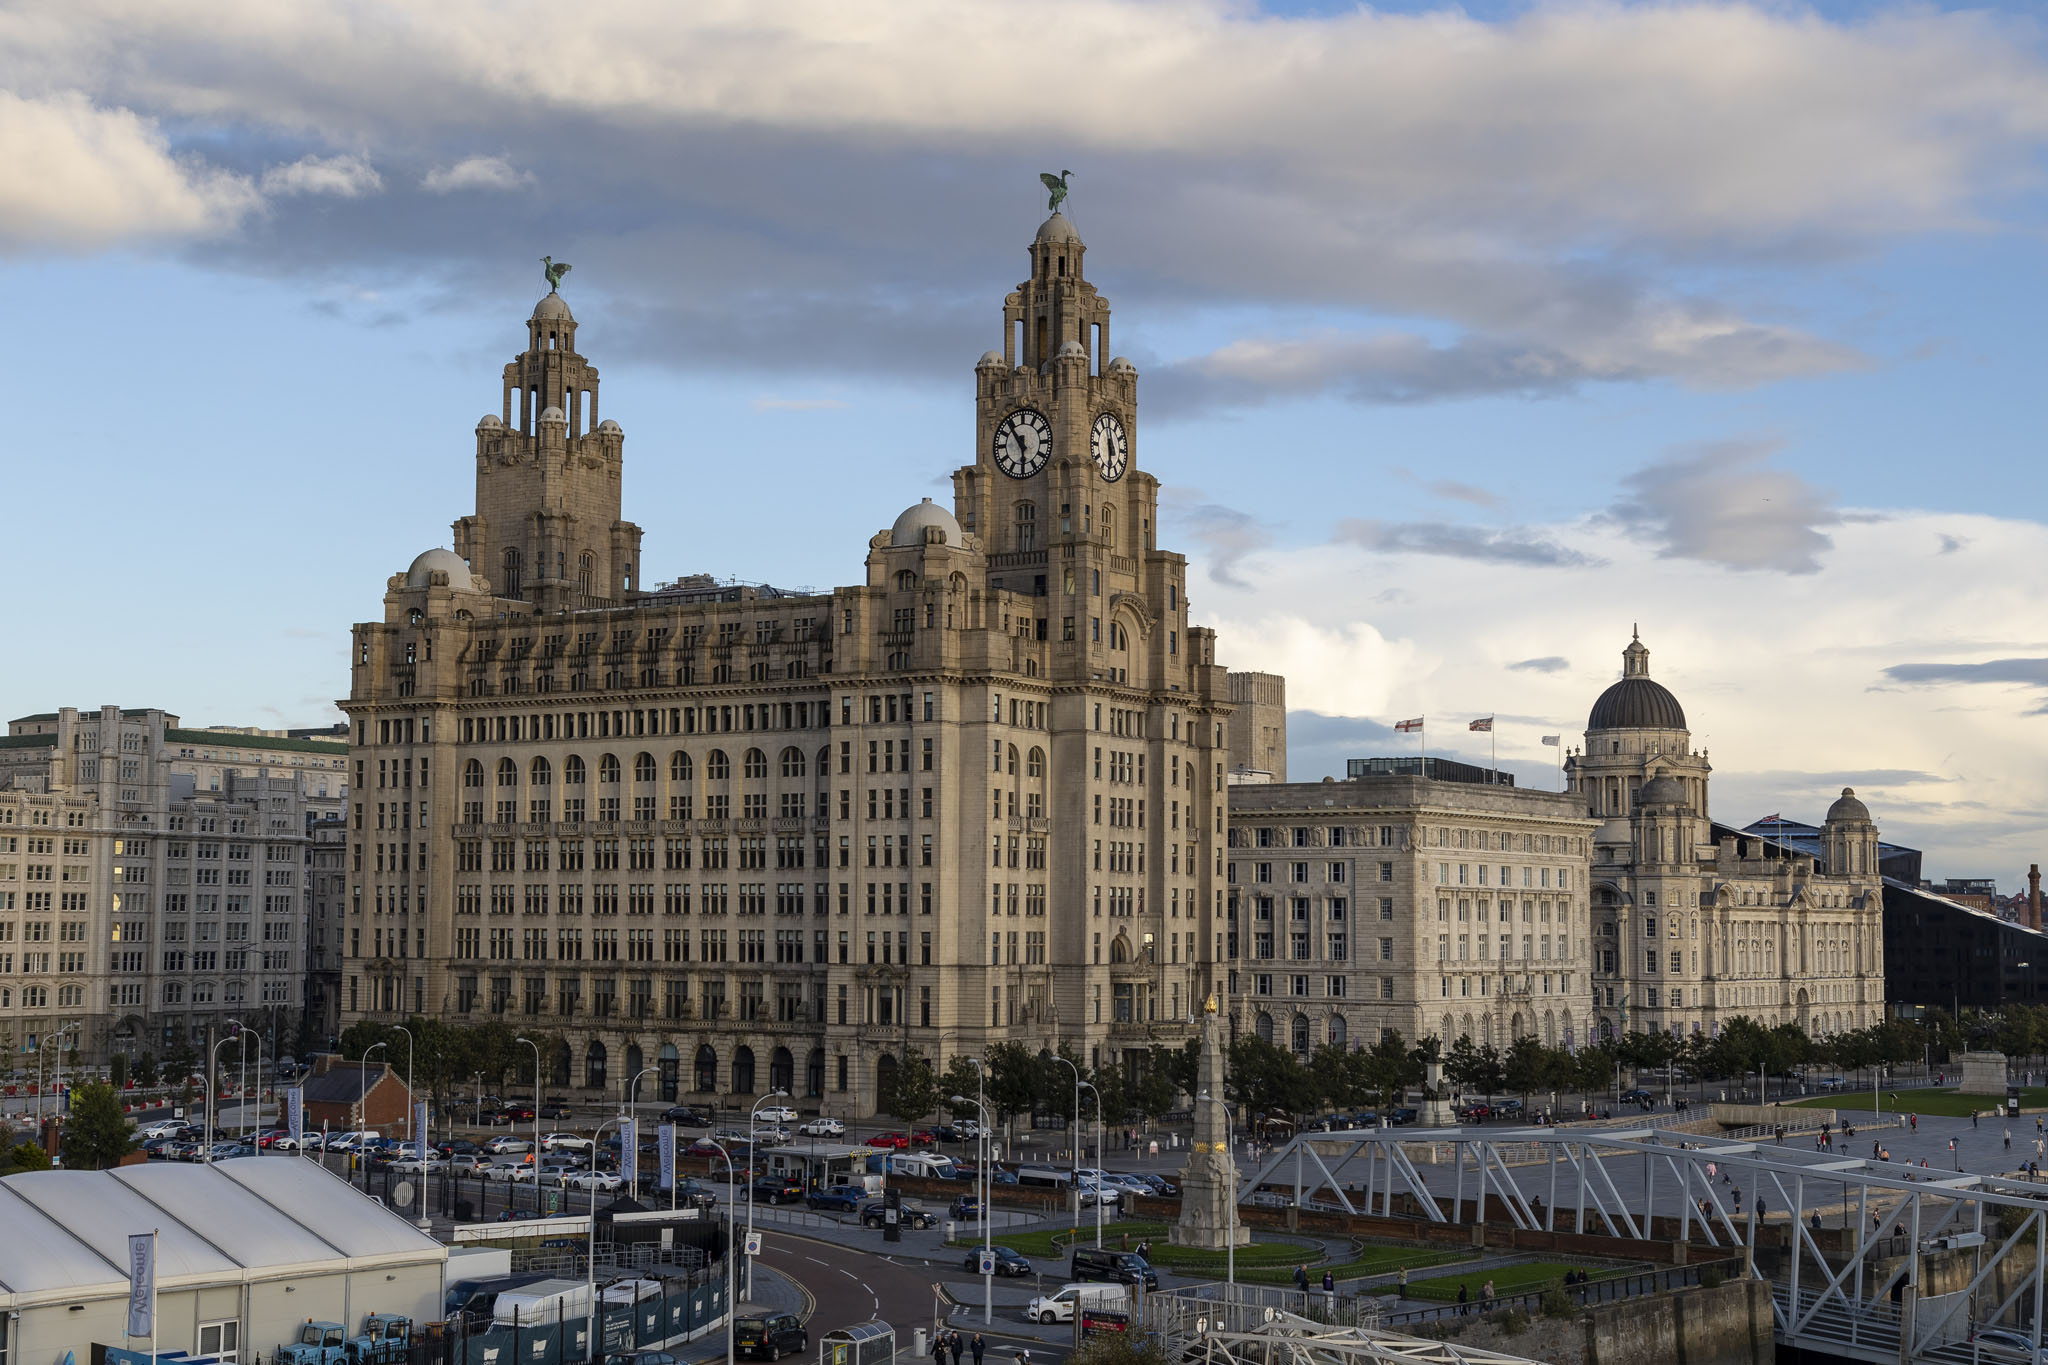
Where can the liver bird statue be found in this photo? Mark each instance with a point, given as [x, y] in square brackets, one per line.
[555, 272]
[1058, 185]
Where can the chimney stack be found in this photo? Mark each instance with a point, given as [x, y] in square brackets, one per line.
[2033, 895]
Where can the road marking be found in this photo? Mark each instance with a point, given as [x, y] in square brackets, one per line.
[850, 1275]
[815, 1261]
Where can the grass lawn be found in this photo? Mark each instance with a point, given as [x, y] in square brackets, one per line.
[1364, 1261]
[1507, 1280]
[1046, 1243]
[1945, 1103]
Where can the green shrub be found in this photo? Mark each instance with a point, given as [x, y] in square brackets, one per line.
[1512, 1322]
[1558, 1304]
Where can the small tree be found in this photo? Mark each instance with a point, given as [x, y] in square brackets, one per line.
[27, 1156]
[118, 1071]
[145, 1069]
[911, 1091]
[98, 1134]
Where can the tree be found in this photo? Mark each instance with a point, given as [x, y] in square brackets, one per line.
[118, 1070]
[1182, 1065]
[27, 1156]
[1530, 1066]
[1153, 1094]
[961, 1077]
[98, 1134]
[1390, 1067]
[145, 1069]
[1267, 1079]
[1015, 1079]
[911, 1091]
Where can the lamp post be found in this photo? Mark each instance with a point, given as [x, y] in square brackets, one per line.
[1230, 1240]
[40, 1044]
[363, 1112]
[242, 1035]
[753, 1148]
[731, 1248]
[590, 1258]
[536, 1127]
[633, 1108]
[1074, 1182]
[981, 1166]
[408, 1079]
[1090, 1088]
[212, 1056]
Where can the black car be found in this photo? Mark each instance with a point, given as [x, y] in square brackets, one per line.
[769, 1338]
[873, 1215]
[1402, 1116]
[1117, 1267]
[457, 1147]
[685, 1116]
[1008, 1261]
[1636, 1096]
[694, 1192]
[777, 1189]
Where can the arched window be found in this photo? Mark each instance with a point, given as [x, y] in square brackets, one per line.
[824, 765]
[1339, 1032]
[1300, 1031]
[472, 774]
[508, 773]
[906, 581]
[608, 770]
[635, 1062]
[643, 769]
[717, 767]
[511, 585]
[814, 1072]
[541, 773]
[743, 1070]
[572, 771]
[1013, 760]
[706, 1079]
[885, 1075]
[755, 763]
[1027, 526]
[670, 1064]
[586, 571]
[593, 1067]
[1109, 526]
[782, 1070]
[1119, 949]
[679, 766]
[1263, 1026]
[1034, 763]
[792, 762]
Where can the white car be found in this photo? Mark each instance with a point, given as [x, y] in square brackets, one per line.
[604, 1181]
[412, 1165]
[823, 1127]
[777, 1113]
[567, 1142]
[967, 1128]
[772, 1136]
[163, 1128]
[506, 1144]
[1059, 1305]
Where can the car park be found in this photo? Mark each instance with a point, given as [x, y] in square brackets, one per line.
[770, 1338]
[822, 1127]
[874, 1215]
[1008, 1261]
[836, 1199]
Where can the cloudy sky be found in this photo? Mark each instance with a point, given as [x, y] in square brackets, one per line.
[1469, 337]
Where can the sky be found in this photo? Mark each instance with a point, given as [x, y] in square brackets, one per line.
[1470, 339]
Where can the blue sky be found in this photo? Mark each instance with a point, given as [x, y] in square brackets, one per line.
[1469, 338]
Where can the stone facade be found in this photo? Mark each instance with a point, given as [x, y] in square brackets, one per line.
[153, 879]
[1389, 901]
[758, 840]
[1258, 726]
[1694, 922]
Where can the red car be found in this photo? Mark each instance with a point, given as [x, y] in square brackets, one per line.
[924, 1137]
[270, 1138]
[517, 1113]
[897, 1141]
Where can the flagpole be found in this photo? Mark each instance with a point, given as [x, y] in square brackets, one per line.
[153, 1234]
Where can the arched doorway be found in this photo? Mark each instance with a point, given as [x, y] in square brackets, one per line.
[671, 1064]
[782, 1071]
[594, 1066]
[885, 1075]
[1339, 1031]
[636, 1062]
[706, 1079]
[560, 1064]
[814, 1072]
[743, 1070]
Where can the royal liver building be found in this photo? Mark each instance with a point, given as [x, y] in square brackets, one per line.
[759, 840]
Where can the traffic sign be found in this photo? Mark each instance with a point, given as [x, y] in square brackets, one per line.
[988, 1261]
[753, 1244]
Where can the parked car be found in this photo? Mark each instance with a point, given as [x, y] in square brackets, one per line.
[892, 1141]
[695, 1192]
[457, 1147]
[162, 1128]
[822, 1127]
[554, 1109]
[777, 1189]
[469, 1163]
[925, 1137]
[2003, 1343]
[412, 1165]
[685, 1116]
[873, 1215]
[641, 1358]
[771, 1136]
[836, 1199]
[965, 1209]
[567, 1142]
[1059, 1305]
[1161, 1186]
[604, 1181]
[518, 1113]
[507, 1145]
[1008, 1261]
[776, 1113]
[731, 1135]
[1402, 1116]
[1117, 1267]
[770, 1338]
[967, 1128]
[1637, 1096]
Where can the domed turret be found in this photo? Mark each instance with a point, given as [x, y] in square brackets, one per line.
[1848, 808]
[989, 360]
[1663, 790]
[490, 421]
[552, 308]
[910, 528]
[438, 560]
[1636, 702]
[1057, 229]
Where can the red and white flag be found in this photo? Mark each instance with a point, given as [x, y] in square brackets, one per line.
[1484, 723]
[1404, 726]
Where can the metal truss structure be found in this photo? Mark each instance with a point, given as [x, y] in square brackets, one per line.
[1866, 1238]
[1200, 1330]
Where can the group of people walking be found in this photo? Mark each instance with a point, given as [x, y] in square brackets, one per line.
[949, 1349]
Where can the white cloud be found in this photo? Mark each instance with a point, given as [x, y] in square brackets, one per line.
[1861, 667]
[476, 173]
[343, 177]
[80, 176]
[1719, 504]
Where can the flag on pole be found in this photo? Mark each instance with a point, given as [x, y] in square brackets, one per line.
[419, 1129]
[1483, 724]
[668, 1156]
[1774, 819]
[141, 1283]
[1553, 740]
[293, 1101]
[1405, 726]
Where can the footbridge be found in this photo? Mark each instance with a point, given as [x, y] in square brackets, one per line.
[1869, 1259]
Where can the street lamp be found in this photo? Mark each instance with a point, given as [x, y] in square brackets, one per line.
[1230, 1237]
[1090, 1088]
[1074, 1192]
[536, 1127]
[408, 1079]
[40, 1043]
[633, 1108]
[363, 1111]
[242, 1035]
[988, 1233]
[211, 1060]
[753, 1115]
[590, 1259]
[731, 1248]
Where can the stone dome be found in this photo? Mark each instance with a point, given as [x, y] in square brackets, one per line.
[1663, 791]
[552, 307]
[438, 560]
[994, 358]
[609, 425]
[553, 414]
[1121, 365]
[1057, 229]
[910, 527]
[1637, 702]
[489, 421]
[1071, 347]
[1847, 807]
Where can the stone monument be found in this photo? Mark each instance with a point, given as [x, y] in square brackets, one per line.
[1983, 1074]
[1208, 1183]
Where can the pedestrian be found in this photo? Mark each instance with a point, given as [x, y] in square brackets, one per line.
[939, 1349]
[1913, 1122]
[1816, 1220]
[1738, 1199]
[1301, 1278]
[1402, 1281]
[1023, 1355]
[955, 1344]
[1486, 1295]
[977, 1346]
[2008, 1138]
[1973, 1118]
[1762, 1209]
[1329, 1282]
[1464, 1301]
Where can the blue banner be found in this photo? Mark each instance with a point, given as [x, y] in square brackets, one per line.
[293, 1098]
[629, 1149]
[419, 1129]
[668, 1155]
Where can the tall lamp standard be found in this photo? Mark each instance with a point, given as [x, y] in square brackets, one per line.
[981, 1166]
[408, 1079]
[1230, 1242]
[243, 1033]
[1074, 1181]
[43, 1042]
[536, 1127]
[753, 1116]
[363, 1111]
[211, 1061]
[1090, 1088]
[732, 1303]
[590, 1259]
[633, 1108]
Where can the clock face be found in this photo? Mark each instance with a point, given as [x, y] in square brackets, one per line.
[1109, 445]
[1023, 443]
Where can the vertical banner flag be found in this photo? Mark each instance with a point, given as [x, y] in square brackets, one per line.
[668, 1156]
[629, 1148]
[419, 1128]
[141, 1283]
[294, 1098]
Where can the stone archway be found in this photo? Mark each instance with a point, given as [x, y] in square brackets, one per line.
[782, 1071]
[670, 1064]
[595, 1067]
[743, 1070]
[705, 1079]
